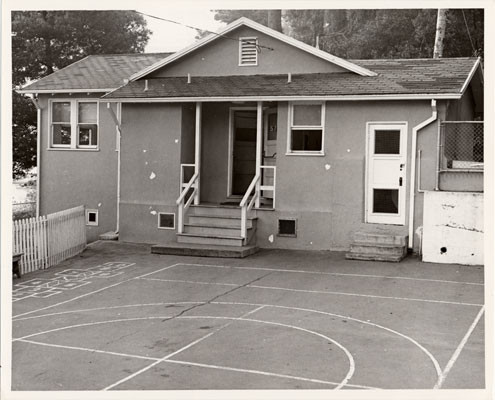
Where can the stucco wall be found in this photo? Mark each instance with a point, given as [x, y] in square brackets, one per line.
[222, 58]
[69, 178]
[151, 154]
[453, 228]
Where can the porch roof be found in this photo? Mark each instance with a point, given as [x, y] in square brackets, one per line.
[445, 76]
[96, 73]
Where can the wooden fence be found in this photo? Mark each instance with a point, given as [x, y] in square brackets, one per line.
[49, 240]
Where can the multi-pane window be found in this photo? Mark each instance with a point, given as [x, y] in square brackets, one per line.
[306, 128]
[74, 124]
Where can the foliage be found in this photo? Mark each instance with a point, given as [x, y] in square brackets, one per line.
[45, 41]
[378, 33]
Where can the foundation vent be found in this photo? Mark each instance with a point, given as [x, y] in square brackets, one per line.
[166, 221]
[92, 217]
[287, 227]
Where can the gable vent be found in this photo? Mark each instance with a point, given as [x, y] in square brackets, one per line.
[248, 51]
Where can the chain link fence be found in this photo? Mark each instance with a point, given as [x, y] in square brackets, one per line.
[462, 145]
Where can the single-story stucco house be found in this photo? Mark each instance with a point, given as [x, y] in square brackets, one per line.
[251, 139]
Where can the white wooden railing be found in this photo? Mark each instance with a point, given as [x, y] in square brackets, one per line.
[48, 240]
[247, 206]
[271, 187]
[181, 202]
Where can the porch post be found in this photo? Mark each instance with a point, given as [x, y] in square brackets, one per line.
[259, 139]
[197, 152]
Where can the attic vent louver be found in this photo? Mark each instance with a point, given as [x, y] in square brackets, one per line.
[248, 51]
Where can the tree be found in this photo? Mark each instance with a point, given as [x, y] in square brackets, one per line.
[45, 41]
[440, 32]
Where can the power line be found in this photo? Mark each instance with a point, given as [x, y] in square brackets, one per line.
[199, 30]
[469, 34]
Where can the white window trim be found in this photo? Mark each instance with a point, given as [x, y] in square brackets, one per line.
[241, 39]
[74, 116]
[290, 127]
[164, 227]
[88, 223]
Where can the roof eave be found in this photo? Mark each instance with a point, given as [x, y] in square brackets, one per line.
[56, 91]
[264, 29]
[426, 96]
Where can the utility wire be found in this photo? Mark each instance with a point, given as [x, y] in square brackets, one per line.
[199, 30]
[469, 34]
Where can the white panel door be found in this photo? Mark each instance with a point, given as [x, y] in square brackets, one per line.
[386, 173]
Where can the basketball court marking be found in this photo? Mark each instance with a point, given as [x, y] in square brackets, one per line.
[457, 352]
[337, 274]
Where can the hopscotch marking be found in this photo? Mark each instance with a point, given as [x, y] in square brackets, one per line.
[457, 352]
[93, 292]
[68, 279]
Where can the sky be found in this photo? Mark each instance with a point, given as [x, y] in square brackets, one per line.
[169, 37]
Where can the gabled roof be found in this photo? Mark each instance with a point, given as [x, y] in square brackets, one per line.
[98, 73]
[422, 78]
[261, 28]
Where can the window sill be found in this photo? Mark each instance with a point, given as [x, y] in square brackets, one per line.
[303, 153]
[69, 149]
[468, 170]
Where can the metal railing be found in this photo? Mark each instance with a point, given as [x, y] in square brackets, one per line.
[461, 145]
[181, 202]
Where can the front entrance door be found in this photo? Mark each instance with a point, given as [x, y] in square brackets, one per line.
[386, 173]
[243, 149]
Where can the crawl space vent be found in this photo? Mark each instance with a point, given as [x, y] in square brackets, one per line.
[166, 221]
[92, 217]
[287, 227]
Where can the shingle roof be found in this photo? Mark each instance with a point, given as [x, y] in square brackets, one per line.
[395, 77]
[97, 72]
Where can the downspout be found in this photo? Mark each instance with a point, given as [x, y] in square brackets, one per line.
[118, 131]
[412, 188]
[38, 152]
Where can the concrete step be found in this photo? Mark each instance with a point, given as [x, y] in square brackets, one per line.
[364, 237]
[220, 221]
[373, 257]
[210, 230]
[207, 239]
[206, 209]
[388, 250]
[201, 250]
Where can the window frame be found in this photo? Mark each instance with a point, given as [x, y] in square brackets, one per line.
[241, 40]
[165, 227]
[74, 124]
[291, 127]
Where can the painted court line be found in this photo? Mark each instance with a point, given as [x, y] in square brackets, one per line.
[93, 292]
[176, 352]
[112, 353]
[352, 365]
[363, 295]
[252, 371]
[340, 274]
[457, 352]
[184, 281]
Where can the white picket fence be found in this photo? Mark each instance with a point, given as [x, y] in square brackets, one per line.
[49, 240]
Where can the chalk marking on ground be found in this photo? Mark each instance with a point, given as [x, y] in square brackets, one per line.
[177, 351]
[252, 371]
[112, 353]
[351, 370]
[423, 349]
[94, 292]
[362, 295]
[107, 308]
[184, 281]
[457, 352]
[338, 274]
[90, 324]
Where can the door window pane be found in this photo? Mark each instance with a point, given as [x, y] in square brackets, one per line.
[387, 142]
[61, 112]
[386, 201]
[307, 115]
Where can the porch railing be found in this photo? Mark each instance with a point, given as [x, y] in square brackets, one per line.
[247, 206]
[183, 203]
[265, 186]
